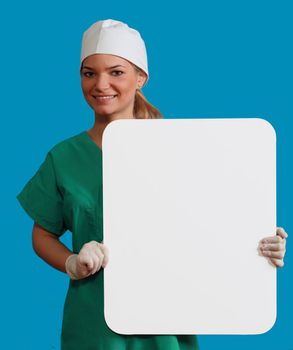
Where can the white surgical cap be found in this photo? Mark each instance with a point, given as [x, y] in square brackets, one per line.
[115, 38]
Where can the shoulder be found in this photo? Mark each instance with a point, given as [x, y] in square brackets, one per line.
[66, 146]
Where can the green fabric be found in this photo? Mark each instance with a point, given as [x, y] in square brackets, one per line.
[66, 194]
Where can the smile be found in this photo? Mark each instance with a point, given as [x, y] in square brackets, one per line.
[108, 97]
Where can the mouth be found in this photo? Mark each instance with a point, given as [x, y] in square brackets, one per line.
[104, 97]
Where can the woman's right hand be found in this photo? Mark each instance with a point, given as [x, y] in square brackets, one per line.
[92, 256]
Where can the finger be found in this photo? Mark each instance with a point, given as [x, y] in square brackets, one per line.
[85, 261]
[272, 254]
[93, 249]
[281, 232]
[85, 257]
[277, 262]
[99, 260]
[272, 246]
[105, 251]
[95, 260]
[105, 261]
[272, 239]
[98, 256]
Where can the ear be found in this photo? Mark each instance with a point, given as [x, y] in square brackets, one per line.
[141, 79]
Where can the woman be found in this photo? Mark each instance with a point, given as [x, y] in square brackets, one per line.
[66, 192]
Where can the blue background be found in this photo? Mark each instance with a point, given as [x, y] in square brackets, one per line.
[207, 59]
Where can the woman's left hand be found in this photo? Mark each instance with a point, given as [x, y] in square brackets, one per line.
[274, 247]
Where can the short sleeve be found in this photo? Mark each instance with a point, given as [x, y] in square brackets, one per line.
[42, 200]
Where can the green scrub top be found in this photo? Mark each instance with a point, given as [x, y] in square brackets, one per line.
[66, 193]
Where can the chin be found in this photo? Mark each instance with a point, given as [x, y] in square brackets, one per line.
[103, 111]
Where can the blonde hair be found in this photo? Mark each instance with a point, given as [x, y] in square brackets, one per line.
[142, 108]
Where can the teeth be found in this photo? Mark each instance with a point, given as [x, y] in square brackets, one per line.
[105, 97]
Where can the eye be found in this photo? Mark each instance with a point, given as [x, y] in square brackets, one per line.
[117, 71]
[88, 74]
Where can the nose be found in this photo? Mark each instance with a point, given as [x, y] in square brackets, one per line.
[101, 82]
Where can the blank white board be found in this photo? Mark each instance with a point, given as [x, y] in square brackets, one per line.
[185, 203]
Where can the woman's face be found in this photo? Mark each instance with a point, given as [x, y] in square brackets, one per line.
[109, 84]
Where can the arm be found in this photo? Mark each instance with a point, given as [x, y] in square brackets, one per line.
[48, 247]
[91, 258]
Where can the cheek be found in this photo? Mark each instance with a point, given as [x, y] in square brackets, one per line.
[85, 86]
[86, 89]
[128, 88]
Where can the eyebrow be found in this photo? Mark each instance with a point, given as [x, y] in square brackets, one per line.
[118, 65]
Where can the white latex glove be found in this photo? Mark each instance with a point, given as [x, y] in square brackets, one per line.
[92, 256]
[274, 247]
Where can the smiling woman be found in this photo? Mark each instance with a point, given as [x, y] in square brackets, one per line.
[113, 73]
[100, 71]
[66, 193]
[109, 84]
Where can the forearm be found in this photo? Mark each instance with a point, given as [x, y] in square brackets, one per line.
[51, 250]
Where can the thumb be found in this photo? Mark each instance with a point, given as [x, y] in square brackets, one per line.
[281, 232]
[86, 262]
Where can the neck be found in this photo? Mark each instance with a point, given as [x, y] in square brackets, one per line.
[101, 121]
